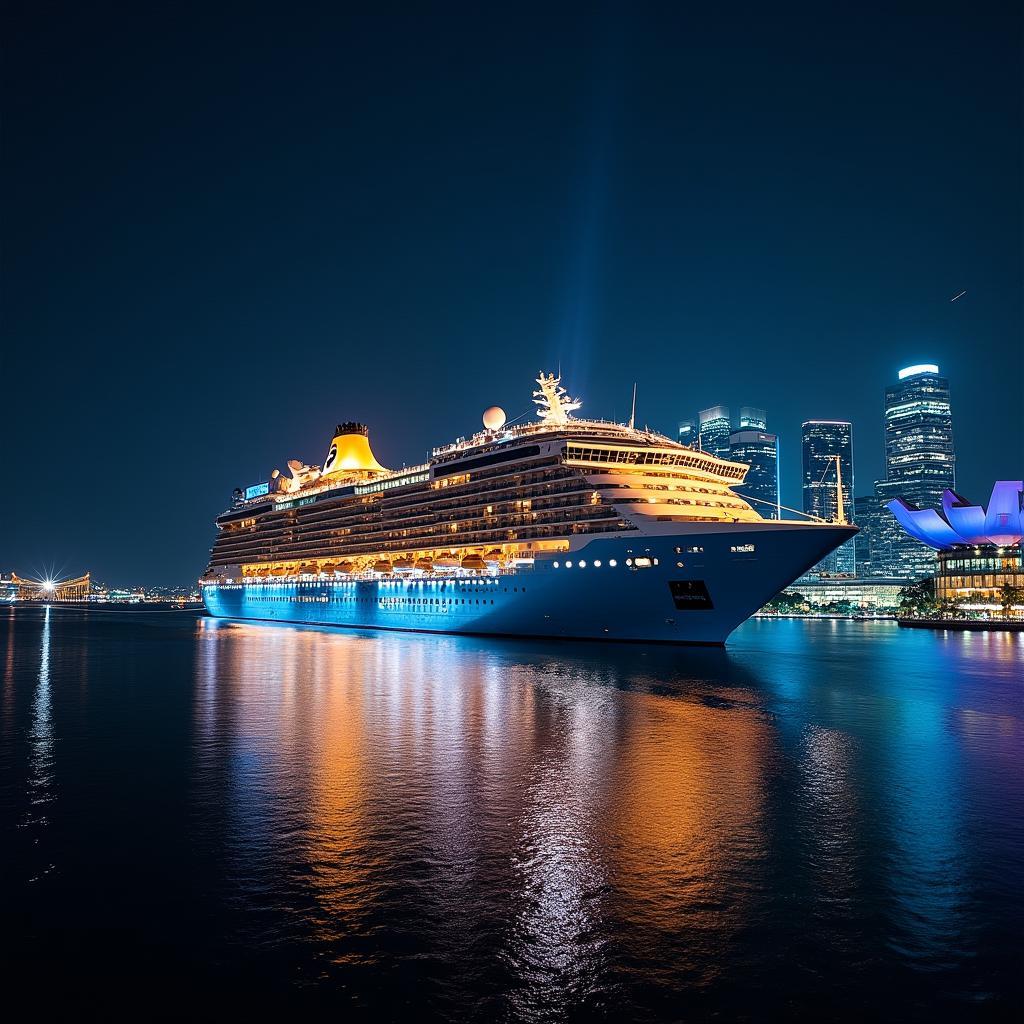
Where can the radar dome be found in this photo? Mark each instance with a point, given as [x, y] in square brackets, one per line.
[494, 418]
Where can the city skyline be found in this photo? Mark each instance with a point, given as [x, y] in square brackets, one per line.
[211, 290]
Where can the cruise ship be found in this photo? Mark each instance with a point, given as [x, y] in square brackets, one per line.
[560, 527]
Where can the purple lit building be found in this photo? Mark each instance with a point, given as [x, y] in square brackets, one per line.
[979, 549]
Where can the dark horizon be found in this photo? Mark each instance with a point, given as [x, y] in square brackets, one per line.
[222, 237]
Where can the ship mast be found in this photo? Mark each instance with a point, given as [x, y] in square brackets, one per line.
[840, 509]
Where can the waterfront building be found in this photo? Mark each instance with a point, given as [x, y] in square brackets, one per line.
[715, 426]
[979, 548]
[822, 442]
[752, 419]
[759, 450]
[77, 589]
[851, 594]
[920, 462]
[974, 578]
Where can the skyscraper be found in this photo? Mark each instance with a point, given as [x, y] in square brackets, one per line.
[919, 436]
[919, 459]
[688, 432]
[715, 428]
[752, 419]
[822, 441]
[760, 450]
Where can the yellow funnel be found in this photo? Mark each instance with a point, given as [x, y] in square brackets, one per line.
[350, 451]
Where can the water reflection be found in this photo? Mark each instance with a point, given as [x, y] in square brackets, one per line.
[540, 818]
[593, 787]
[41, 790]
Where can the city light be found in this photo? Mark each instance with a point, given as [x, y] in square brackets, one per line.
[910, 371]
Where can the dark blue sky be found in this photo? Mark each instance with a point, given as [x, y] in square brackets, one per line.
[225, 231]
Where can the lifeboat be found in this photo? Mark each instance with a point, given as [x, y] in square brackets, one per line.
[382, 565]
[425, 564]
[404, 564]
[448, 561]
[279, 570]
[473, 562]
[493, 556]
[345, 567]
[263, 572]
[328, 567]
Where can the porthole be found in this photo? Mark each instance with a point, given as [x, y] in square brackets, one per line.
[583, 565]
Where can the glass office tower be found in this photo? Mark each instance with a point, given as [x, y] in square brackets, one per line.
[760, 450]
[752, 419]
[822, 440]
[688, 433]
[715, 428]
[920, 462]
[919, 436]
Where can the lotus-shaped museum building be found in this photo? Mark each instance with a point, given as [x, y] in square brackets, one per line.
[961, 523]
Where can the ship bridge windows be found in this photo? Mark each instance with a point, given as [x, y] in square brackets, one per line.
[640, 457]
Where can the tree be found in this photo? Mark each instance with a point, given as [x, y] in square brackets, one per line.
[918, 600]
[786, 603]
[1009, 595]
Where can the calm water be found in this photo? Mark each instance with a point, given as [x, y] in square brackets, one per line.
[826, 819]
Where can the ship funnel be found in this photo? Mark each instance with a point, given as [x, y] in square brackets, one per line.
[350, 451]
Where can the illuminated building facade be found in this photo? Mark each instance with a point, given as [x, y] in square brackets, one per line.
[715, 426]
[975, 577]
[920, 462]
[760, 450]
[979, 548]
[821, 442]
[688, 433]
[752, 418]
[871, 596]
[51, 590]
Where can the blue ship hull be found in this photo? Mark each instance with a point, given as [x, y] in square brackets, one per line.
[699, 586]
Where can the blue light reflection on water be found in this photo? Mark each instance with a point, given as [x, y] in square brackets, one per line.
[826, 814]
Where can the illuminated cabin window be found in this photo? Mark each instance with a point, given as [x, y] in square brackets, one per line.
[597, 563]
[568, 565]
[583, 565]
[641, 562]
[612, 562]
[555, 564]
[742, 549]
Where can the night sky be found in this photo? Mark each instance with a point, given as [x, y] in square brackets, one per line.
[223, 232]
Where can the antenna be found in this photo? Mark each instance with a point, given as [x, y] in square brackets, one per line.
[632, 415]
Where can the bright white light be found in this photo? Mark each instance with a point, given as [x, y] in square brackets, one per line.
[597, 563]
[612, 562]
[583, 565]
[910, 371]
[48, 585]
[555, 564]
